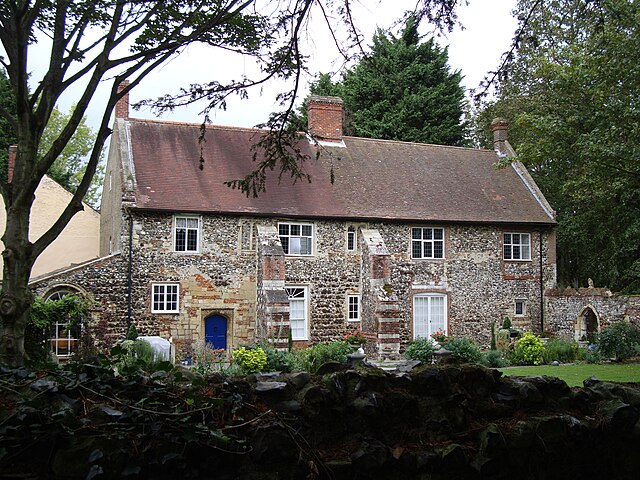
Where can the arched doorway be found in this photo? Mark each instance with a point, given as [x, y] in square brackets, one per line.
[587, 325]
[215, 332]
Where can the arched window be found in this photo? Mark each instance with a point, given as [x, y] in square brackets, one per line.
[64, 336]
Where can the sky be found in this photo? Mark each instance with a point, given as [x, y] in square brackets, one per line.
[487, 32]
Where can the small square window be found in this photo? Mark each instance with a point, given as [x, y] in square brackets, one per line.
[164, 298]
[296, 238]
[517, 246]
[519, 310]
[353, 308]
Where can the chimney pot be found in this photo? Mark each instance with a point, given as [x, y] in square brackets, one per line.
[122, 106]
[500, 128]
[11, 161]
[325, 117]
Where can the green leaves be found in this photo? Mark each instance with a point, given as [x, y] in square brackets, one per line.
[571, 95]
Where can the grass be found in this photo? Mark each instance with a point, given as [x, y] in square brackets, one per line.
[574, 375]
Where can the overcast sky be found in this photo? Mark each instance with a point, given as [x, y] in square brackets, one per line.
[476, 49]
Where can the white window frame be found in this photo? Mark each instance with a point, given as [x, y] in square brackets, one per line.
[429, 305]
[165, 305]
[523, 305]
[286, 238]
[353, 315]
[189, 228]
[427, 243]
[62, 330]
[298, 294]
[516, 246]
[352, 239]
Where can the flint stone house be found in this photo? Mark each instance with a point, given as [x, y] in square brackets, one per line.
[394, 238]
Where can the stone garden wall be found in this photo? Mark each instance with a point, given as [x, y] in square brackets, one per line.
[566, 307]
[427, 422]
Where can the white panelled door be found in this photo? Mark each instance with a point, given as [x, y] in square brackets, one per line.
[429, 314]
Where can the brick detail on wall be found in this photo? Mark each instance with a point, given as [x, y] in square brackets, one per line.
[381, 311]
[273, 303]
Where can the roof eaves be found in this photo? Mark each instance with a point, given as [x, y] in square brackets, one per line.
[347, 218]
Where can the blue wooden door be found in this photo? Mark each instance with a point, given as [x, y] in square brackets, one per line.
[215, 332]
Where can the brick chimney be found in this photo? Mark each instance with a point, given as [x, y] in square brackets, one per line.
[325, 117]
[500, 128]
[122, 107]
[11, 161]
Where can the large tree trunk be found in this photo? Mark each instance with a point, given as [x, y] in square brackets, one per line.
[16, 298]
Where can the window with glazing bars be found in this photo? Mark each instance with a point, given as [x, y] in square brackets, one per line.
[186, 233]
[427, 242]
[296, 238]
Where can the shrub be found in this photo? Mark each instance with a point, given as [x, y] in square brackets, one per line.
[619, 340]
[277, 360]
[494, 359]
[250, 360]
[421, 349]
[506, 323]
[465, 349]
[528, 350]
[207, 360]
[503, 342]
[132, 332]
[70, 310]
[592, 355]
[314, 357]
[563, 351]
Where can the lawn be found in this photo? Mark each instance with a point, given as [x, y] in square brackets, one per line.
[575, 374]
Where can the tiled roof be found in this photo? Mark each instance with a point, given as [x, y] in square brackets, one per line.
[373, 179]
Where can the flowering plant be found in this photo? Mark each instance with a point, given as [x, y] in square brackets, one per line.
[440, 336]
[355, 338]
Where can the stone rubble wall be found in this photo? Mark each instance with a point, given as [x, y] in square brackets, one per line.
[565, 306]
[225, 278]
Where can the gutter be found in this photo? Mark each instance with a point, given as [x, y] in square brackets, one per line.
[130, 272]
[541, 284]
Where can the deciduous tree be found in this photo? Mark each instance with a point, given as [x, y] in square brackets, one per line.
[105, 42]
[571, 93]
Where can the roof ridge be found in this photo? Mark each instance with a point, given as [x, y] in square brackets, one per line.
[384, 140]
[194, 124]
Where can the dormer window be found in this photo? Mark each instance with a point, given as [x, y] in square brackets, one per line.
[296, 238]
[186, 234]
